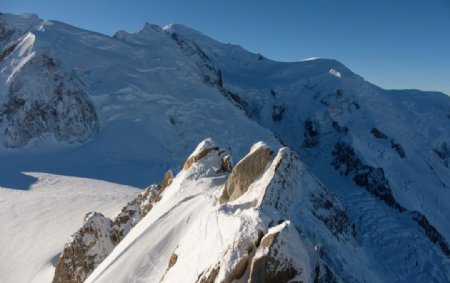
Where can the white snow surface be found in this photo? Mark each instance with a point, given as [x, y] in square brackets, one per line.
[190, 222]
[154, 107]
[36, 223]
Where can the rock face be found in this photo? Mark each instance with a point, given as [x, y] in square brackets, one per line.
[134, 211]
[99, 235]
[281, 258]
[311, 134]
[40, 98]
[250, 249]
[279, 223]
[372, 179]
[280, 194]
[246, 172]
[62, 110]
[220, 162]
[280, 255]
[88, 247]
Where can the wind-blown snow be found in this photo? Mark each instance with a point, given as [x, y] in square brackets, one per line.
[38, 222]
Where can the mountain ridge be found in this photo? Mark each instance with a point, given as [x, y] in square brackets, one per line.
[379, 156]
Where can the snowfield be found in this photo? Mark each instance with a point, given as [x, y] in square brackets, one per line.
[359, 192]
[36, 223]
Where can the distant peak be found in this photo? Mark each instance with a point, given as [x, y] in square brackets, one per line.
[147, 31]
[184, 30]
[149, 28]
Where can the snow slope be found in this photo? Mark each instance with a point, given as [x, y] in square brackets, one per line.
[36, 223]
[146, 89]
[126, 108]
[315, 107]
[190, 222]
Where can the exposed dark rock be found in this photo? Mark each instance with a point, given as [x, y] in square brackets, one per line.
[398, 148]
[338, 128]
[311, 134]
[66, 112]
[356, 105]
[432, 233]
[277, 113]
[378, 134]
[372, 179]
[208, 276]
[325, 275]
[236, 99]
[273, 92]
[443, 152]
[7, 51]
[226, 164]
[332, 216]
[209, 73]
[87, 249]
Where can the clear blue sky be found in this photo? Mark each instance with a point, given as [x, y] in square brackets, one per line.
[392, 43]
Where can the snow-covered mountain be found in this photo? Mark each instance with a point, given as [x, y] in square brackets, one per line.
[363, 190]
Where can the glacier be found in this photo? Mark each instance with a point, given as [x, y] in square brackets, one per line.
[79, 106]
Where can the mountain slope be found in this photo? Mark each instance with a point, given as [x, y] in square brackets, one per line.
[36, 223]
[146, 88]
[127, 108]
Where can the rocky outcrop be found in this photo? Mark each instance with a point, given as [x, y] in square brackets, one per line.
[6, 51]
[311, 134]
[63, 110]
[209, 73]
[89, 246]
[282, 192]
[208, 276]
[208, 157]
[398, 148]
[99, 235]
[282, 257]
[167, 180]
[372, 179]
[277, 113]
[431, 232]
[246, 171]
[443, 152]
[134, 211]
[394, 144]
[193, 159]
[332, 215]
[378, 134]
